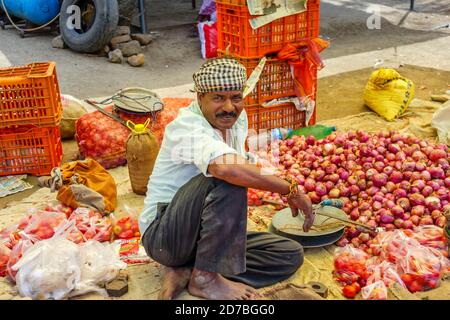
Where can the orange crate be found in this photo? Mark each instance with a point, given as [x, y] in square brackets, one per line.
[235, 31]
[29, 95]
[279, 116]
[30, 150]
[275, 80]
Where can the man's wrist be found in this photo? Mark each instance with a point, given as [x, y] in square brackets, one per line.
[293, 189]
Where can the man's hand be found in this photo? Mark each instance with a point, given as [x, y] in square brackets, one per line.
[302, 202]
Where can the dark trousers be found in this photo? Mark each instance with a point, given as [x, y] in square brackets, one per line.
[205, 226]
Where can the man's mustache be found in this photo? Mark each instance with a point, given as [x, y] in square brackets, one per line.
[226, 114]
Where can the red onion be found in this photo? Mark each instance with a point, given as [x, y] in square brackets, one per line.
[398, 223]
[408, 166]
[436, 214]
[420, 184]
[398, 211]
[394, 148]
[400, 193]
[415, 219]
[417, 211]
[426, 221]
[334, 193]
[389, 170]
[441, 222]
[310, 184]
[416, 199]
[437, 173]
[328, 185]
[447, 182]
[314, 197]
[434, 184]
[437, 154]
[376, 205]
[379, 179]
[407, 175]
[442, 193]
[425, 175]
[420, 166]
[354, 214]
[361, 184]
[379, 166]
[418, 155]
[390, 186]
[371, 172]
[321, 189]
[400, 156]
[311, 140]
[372, 191]
[443, 163]
[405, 185]
[377, 198]
[404, 203]
[408, 224]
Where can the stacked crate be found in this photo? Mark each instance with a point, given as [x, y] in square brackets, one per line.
[30, 116]
[236, 38]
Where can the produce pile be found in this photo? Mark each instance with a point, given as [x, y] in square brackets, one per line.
[385, 180]
[41, 224]
[103, 139]
[396, 183]
[400, 256]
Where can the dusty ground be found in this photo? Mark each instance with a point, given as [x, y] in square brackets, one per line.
[342, 95]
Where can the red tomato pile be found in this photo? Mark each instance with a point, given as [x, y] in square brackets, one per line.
[350, 266]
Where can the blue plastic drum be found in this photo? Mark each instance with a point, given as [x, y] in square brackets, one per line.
[38, 12]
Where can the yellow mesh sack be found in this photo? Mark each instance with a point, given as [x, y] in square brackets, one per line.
[388, 93]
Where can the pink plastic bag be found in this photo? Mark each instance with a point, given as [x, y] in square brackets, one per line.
[17, 253]
[208, 37]
[431, 236]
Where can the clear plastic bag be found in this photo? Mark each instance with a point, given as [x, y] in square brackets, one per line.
[375, 291]
[50, 269]
[421, 268]
[99, 263]
[42, 224]
[125, 223]
[92, 224]
[384, 271]
[350, 265]
[25, 243]
[5, 253]
[431, 236]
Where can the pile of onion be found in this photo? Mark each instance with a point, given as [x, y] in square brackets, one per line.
[385, 179]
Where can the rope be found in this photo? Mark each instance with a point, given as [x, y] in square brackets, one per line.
[27, 30]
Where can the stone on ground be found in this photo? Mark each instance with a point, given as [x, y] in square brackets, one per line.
[122, 30]
[120, 39]
[130, 48]
[58, 43]
[137, 60]
[144, 39]
[115, 56]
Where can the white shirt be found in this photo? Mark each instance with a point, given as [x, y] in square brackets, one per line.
[190, 143]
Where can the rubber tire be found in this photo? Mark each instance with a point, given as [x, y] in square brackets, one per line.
[100, 33]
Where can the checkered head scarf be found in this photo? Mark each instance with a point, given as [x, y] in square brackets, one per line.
[220, 74]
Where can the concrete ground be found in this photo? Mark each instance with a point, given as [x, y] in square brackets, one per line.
[174, 55]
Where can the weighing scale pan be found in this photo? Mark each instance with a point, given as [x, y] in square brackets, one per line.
[325, 230]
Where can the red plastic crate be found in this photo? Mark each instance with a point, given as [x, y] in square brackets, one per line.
[280, 116]
[30, 150]
[236, 33]
[29, 95]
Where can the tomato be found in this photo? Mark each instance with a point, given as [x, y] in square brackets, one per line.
[415, 286]
[356, 286]
[407, 279]
[349, 291]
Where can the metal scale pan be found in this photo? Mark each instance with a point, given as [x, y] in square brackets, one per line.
[325, 230]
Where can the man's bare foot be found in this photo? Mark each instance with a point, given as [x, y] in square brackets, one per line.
[174, 281]
[213, 286]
